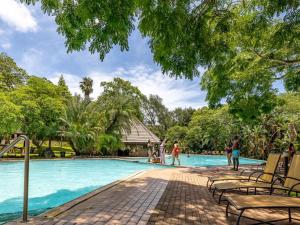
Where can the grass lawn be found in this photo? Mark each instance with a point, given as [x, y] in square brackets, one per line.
[56, 147]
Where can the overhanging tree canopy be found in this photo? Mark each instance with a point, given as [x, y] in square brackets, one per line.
[244, 45]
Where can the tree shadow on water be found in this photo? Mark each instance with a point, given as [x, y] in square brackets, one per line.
[11, 209]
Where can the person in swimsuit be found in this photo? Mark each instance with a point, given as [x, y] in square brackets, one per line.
[162, 152]
[175, 153]
[228, 151]
[236, 153]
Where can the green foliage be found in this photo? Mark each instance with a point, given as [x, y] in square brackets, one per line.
[82, 125]
[245, 46]
[212, 129]
[11, 76]
[176, 133]
[10, 116]
[98, 25]
[109, 144]
[262, 46]
[64, 90]
[156, 115]
[41, 106]
[292, 82]
[181, 116]
[120, 102]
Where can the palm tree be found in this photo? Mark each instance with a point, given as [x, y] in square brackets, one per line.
[86, 86]
[82, 125]
[118, 113]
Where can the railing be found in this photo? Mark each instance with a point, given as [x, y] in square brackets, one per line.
[26, 170]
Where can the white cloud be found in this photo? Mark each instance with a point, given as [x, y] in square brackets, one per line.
[32, 61]
[175, 93]
[17, 15]
[71, 80]
[6, 46]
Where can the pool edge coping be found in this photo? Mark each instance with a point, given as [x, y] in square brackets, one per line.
[56, 211]
[69, 205]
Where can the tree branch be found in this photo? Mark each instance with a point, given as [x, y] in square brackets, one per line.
[280, 61]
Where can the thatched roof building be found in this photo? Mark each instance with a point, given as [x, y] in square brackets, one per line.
[139, 135]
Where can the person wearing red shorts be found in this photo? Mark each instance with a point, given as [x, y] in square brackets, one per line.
[175, 153]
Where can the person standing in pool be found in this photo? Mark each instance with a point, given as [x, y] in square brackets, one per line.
[236, 153]
[228, 150]
[175, 153]
[149, 150]
[162, 152]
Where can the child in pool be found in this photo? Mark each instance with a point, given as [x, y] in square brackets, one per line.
[175, 153]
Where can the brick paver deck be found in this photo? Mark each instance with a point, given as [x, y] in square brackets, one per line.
[161, 197]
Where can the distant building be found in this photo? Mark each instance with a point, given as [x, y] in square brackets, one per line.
[136, 140]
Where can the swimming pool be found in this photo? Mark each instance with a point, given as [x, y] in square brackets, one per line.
[204, 160]
[54, 182]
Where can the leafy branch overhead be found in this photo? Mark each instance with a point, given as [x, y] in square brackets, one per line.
[245, 46]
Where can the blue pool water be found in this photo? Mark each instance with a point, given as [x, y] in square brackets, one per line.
[204, 160]
[55, 182]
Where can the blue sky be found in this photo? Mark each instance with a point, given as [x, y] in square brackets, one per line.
[30, 37]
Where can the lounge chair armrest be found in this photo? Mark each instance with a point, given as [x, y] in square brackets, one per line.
[257, 178]
[292, 188]
[278, 178]
[263, 173]
[250, 170]
[254, 172]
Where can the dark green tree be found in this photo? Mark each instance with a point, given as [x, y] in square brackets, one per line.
[121, 103]
[11, 76]
[182, 116]
[10, 117]
[82, 125]
[41, 106]
[156, 115]
[64, 90]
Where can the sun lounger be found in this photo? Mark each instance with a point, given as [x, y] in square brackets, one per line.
[263, 180]
[270, 167]
[290, 183]
[245, 202]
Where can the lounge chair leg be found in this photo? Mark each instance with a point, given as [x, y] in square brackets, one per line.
[247, 191]
[255, 190]
[211, 184]
[239, 218]
[220, 198]
[227, 209]
[214, 191]
[207, 183]
[290, 216]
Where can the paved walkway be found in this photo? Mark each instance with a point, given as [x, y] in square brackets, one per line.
[161, 197]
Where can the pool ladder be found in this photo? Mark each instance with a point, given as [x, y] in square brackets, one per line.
[26, 170]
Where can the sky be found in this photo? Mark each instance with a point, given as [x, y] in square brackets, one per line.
[30, 38]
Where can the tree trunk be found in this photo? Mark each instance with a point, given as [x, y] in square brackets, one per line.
[49, 145]
[37, 143]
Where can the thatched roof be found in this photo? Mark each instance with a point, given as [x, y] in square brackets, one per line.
[139, 134]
